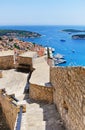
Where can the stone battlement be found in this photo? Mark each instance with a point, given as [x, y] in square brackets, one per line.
[41, 93]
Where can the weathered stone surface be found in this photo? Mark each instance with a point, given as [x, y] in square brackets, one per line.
[10, 109]
[41, 93]
[3, 124]
[0, 74]
[24, 63]
[41, 116]
[69, 91]
[6, 62]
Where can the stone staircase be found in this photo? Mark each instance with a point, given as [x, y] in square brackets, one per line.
[33, 118]
[41, 116]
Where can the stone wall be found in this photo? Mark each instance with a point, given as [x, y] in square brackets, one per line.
[9, 108]
[41, 93]
[6, 62]
[69, 95]
[3, 124]
[0, 74]
[24, 62]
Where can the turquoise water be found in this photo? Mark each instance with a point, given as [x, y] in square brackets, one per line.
[51, 36]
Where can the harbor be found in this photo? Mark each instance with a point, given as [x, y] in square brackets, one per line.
[55, 59]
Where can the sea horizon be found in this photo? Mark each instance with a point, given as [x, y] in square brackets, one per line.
[42, 25]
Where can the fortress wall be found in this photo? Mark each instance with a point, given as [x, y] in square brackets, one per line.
[69, 95]
[25, 61]
[41, 93]
[10, 109]
[6, 62]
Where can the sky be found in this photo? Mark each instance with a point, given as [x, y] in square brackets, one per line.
[42, 12]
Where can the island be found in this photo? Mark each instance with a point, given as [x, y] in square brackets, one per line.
[78, 36]
[19, 33]
[72, 30]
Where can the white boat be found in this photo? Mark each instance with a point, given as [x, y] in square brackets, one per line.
[53, 49]
[58, 56]
[59, 61]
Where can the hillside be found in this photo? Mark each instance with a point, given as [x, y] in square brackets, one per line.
[19, 33]
[72, 30]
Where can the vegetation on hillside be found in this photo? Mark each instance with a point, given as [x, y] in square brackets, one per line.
[78, 36]
[72, 30]
[19, 33]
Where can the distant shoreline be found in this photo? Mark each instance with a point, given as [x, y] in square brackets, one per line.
[79, 37]
[19, 33]
[72, 30]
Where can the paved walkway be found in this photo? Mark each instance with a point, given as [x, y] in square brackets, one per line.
[41, 73]
[14, 82]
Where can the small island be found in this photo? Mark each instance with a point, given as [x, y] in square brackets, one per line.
[19, 33]
[72, 30]
[79, 36]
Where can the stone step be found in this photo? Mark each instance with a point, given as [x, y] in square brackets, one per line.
[36, 123]
[41, 117]
[32, 127]
[49, 107]
[34, 118]
[32, 110]
[33, 124]
[34, 105]
[35, 128]
[34, 113]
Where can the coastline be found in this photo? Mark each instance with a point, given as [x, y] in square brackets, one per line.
[52, 39]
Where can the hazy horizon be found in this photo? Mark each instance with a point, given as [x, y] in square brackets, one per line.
[39, 25]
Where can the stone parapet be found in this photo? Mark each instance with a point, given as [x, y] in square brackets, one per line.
[6, 62]
[10, 108]
[24, 63]
[41, 93]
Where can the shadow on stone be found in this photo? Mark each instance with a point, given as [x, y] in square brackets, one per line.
[51, 115]
[3, 124]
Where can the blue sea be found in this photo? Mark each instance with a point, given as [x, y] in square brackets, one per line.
[73, 50]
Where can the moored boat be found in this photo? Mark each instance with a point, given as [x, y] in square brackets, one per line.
[59, 61]
[58, 56]
[62, 40]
